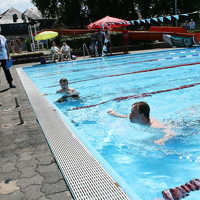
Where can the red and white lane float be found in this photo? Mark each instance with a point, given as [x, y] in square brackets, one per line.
[182, 191]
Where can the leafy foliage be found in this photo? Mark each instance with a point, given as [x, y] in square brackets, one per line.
[74, 12]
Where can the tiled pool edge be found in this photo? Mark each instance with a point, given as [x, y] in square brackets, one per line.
[84, 175]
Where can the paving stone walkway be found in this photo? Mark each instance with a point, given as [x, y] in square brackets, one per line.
[27, 168]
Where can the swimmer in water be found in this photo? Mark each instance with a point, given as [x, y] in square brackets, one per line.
[140, 113]
[68, 92]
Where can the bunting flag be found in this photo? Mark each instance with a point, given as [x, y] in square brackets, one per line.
[185, 15]
[138, 21]
[155, 19]
[176, 17]
[161, 19]
[169, 18]
[148, 20]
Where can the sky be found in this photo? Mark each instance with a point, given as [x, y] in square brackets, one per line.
[20, 5]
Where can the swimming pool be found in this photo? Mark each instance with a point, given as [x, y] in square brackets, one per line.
[168, 81]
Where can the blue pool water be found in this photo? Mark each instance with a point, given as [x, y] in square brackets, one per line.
[172, 81]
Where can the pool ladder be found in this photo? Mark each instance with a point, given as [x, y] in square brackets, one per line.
[85, 50]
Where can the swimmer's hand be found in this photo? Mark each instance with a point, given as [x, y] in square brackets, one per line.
[168, 134]
[159, 142]
[111, 112]
[72, 91]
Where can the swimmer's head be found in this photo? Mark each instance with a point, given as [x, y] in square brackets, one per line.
[140, 112]
[64, 83]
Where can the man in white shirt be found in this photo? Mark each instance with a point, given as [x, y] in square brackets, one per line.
[55, 52]
[4, 55]
[66, 52]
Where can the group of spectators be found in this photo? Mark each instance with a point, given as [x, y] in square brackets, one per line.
[189, 25]
[63, 53]
[100, 43]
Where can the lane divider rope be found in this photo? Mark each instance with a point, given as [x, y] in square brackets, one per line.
[122, 74]
[118, 99]
[136, 72]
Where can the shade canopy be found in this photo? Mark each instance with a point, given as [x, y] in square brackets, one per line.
[108, 22]
[45, 35]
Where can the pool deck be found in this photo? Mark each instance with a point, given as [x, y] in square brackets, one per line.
[28, 170]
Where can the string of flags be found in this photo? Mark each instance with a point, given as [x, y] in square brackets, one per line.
[160, 19]
[120, 22]
[148, 20]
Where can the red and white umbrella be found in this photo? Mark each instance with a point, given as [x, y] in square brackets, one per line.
[108, 23]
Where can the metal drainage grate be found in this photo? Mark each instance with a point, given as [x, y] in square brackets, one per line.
[85, 177]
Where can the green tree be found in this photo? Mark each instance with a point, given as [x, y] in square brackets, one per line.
[124, 9]
[70, 11]
[67, 11]
[49, 8]
[188, 6]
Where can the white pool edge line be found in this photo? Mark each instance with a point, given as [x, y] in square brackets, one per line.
[85, 177]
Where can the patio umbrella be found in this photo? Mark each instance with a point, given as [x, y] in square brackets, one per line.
[108, 22]
[45, 35]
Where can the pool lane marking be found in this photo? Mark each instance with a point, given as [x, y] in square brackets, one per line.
[108, 60]
[115, 65]
[95, 61]
[127, 56]
[93, 68]
[136, 72]
[147, 94]
[87, 62]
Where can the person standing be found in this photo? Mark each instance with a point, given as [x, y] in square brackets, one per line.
[107, 41]
[4, 55]
[125, 40]
[100, 41]
[186, 25]
[192, 24]
[93, 40]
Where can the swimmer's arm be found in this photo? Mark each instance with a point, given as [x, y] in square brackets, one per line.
[72, 91]
[113, 113]
[62, 99]
[59, 91]
[168, 132]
